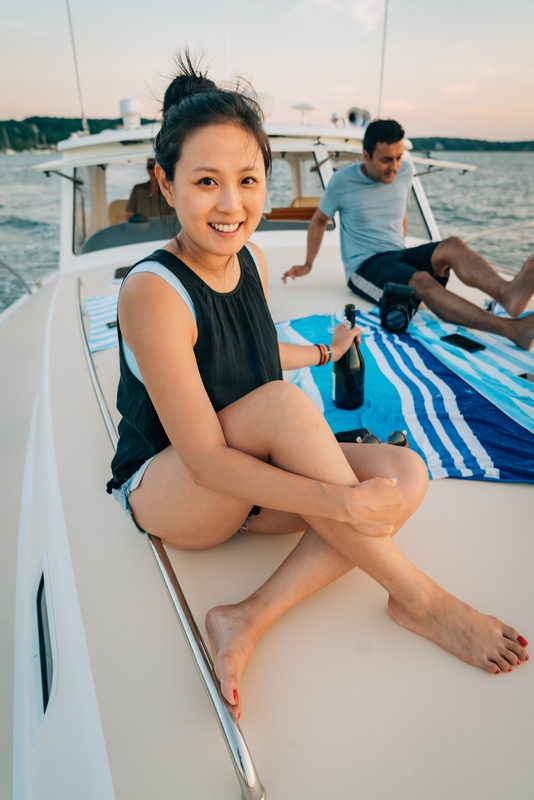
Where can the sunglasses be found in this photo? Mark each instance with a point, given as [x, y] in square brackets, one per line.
[396, 438]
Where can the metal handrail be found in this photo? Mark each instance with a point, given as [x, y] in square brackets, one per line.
[16, 274]
[496, 231]
[247, 776]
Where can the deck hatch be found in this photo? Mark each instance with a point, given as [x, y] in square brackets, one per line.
[45, 647]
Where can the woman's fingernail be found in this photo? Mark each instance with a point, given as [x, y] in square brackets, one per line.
[236, 696]
[522, 641]
[395, 480]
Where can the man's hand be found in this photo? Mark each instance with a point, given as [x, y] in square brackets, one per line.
[296, 272]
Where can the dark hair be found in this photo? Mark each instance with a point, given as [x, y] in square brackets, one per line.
[193, 101]
[386, 131]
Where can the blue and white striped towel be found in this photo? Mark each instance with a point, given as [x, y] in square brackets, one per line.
[102, 310]
[493, 372]
[458, 432]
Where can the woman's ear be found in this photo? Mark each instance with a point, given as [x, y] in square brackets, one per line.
[164, 185]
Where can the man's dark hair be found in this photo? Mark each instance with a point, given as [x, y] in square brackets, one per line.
[386, 131]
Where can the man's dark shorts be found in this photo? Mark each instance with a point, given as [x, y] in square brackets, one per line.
[396, 266]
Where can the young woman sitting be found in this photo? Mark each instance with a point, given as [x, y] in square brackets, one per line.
[213, 441]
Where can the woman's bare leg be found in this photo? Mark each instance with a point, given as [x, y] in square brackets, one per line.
[278, 423]
[415, 601]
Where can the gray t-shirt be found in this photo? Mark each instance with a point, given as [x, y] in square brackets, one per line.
[371, 213]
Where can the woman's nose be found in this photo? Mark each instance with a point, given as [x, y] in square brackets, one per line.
[229, 199]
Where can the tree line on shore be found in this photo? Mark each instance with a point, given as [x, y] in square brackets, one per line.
[41, 133]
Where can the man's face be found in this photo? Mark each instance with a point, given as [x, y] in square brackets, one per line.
[385, 163]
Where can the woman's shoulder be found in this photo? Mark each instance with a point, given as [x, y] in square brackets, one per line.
[153, 270]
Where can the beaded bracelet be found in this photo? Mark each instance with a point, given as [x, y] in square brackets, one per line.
[326, 354]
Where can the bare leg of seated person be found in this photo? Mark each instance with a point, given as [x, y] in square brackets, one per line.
[279, 423]
[473, 270]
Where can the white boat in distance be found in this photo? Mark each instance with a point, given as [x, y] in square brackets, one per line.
[338, 700]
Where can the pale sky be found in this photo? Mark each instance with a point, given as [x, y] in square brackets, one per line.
[453, 67]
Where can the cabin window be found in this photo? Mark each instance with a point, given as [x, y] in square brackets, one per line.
[310, 180]
[45, 648]
[280, 194]
[120, 180]
[417, 226]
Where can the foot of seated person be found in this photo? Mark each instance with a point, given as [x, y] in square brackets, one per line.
[476, 638]
[524, 332]
[517, 293]
[232, 636]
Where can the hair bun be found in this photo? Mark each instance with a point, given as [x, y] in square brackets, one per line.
[189, 80]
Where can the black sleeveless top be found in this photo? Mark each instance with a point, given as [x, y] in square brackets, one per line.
[236, 352]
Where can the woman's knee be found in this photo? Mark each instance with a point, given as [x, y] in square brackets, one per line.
[271, 407]
[412, 477]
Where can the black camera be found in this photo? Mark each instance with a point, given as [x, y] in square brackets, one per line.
[397, 307]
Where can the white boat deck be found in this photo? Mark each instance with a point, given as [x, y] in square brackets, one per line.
[338, 700]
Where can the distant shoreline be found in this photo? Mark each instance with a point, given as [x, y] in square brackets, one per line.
[443, 143]
[41, 133]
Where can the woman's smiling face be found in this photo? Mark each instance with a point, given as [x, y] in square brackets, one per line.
[218, 189]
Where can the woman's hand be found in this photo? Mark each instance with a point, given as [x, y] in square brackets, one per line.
[342, 340]
[373, 507]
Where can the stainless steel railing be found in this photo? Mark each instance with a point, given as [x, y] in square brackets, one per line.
[497, 231]
[247, 776]
[17, 275]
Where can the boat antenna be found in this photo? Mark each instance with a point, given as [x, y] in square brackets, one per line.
[383, 59]
[85, 125]
[226, 57]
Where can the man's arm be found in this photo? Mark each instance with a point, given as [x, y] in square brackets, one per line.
[316, 230]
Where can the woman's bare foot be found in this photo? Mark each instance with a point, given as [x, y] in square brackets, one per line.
[518, 292]
[232, 641]
[474, 637]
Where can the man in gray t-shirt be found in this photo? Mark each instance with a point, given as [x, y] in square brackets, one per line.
[371, 197]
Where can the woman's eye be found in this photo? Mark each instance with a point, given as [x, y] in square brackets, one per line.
[207, 182]
[248, 181]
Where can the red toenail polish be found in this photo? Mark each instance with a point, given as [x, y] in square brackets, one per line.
[509, 669]
[522, 641]
[527, 657]
[497, 672]
[236, 696]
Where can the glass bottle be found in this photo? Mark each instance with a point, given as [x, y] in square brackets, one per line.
[348, 373]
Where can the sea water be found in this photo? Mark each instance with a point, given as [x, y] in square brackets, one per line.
[499, 194]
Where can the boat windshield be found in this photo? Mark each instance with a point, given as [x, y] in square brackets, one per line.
[101, 218]
[102, 213]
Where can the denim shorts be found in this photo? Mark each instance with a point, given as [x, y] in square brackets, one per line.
[122, 494]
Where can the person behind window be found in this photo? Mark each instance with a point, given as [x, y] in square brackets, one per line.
[146, 198]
